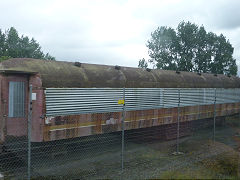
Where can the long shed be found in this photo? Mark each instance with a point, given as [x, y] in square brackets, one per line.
[17, 74]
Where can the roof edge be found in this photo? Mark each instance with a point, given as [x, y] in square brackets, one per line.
[8, 71]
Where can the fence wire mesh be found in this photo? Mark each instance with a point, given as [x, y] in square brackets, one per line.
[126, 133]
[14, 146]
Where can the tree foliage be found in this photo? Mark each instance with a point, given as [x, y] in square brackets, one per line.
[13, 46]
[142, 63]
[191, 48]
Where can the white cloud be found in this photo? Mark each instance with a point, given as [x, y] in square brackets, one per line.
[113, 32]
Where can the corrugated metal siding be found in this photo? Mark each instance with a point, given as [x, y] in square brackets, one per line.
[67, 101]
[16, 99]
[62, 101]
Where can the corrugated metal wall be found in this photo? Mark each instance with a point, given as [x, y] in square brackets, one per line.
[69, 101]
[61, 101]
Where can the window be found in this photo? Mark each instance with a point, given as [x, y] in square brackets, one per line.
[16, 99]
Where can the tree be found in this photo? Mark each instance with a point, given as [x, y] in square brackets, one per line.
[13, 46]
[142, 63]
[191, 48]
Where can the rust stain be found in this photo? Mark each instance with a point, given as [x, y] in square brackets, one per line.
[72, 126]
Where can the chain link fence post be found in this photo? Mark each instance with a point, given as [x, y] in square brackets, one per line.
[123, 129]
[237, 97]
[29, 133]
[214, 114]
[178, 123]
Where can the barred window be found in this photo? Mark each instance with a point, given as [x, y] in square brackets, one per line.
[16, 106]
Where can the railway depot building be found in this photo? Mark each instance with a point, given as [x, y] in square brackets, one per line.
[76, 99]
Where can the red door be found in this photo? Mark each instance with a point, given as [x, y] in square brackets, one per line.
[15, 98]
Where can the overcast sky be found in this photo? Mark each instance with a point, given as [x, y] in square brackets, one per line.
[113, 32]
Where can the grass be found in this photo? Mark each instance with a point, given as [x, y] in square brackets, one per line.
[222, 166]
[187, 173]
[220, 159]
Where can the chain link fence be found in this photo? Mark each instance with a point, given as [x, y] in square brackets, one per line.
[129, 133]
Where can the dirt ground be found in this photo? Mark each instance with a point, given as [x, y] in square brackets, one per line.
[100, 157]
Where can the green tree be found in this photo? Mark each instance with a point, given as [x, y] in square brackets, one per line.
[142, 63]
[191, 48]
[13, 46]
[2, 43]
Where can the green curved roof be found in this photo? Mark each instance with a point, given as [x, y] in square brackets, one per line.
[59, 74]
